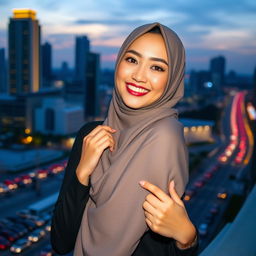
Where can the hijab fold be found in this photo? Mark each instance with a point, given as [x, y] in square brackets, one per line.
[149, 146]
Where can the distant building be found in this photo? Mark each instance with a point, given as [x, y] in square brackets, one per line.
[65, 72]
[92, 100]
[12, 111]
[196, 131]
[24, 52]
[217, 70]
[81, 60]
[57, 117]
[200, 82]
[46, 64]
[18, 111]
[3, 80]
[84, 89]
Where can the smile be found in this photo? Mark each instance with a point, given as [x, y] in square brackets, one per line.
[136, 90]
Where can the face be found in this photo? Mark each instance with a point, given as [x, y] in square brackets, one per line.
[142, 73]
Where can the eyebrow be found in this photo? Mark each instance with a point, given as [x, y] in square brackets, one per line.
[152, 58]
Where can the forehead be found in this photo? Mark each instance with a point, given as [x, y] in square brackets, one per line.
[150, 44]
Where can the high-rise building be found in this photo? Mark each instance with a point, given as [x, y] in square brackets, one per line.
[91, 100]
[217, 70]
[81, 56]
[3, 81]
[46, 63]
[24, 52]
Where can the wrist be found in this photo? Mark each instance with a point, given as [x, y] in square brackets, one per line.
[190, 240]
[82, 176]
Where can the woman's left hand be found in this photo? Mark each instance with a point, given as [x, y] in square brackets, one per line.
[167, 215]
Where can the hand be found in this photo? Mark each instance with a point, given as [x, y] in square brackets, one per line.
[166, 215]
[94, 144]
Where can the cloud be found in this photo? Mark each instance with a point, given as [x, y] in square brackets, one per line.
[205, 27]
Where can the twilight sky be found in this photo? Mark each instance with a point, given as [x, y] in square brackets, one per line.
[208, 28]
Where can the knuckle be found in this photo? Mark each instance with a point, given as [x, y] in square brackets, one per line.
[160, 216]
[148, 197]
[157, 222]
[155, 227]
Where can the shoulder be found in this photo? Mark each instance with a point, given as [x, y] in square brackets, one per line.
[88, 127]
[168, 128]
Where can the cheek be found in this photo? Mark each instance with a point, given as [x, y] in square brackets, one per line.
[159, 83]
[123, 70]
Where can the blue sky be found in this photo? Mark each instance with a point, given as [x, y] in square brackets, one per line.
[207, 28]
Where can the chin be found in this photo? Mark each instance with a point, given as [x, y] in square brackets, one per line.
[133, 105]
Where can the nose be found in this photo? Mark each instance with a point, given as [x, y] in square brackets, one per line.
[139, 74]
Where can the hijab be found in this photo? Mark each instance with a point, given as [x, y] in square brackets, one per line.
[149, 145]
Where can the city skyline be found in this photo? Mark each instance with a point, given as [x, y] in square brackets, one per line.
[206, 28]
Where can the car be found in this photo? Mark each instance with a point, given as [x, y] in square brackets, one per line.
[20, 245]
[208, 175]
[47, 251]
[4, 243]
[9, 235]
[37, 220]
[56, 168]
[36, 235]
[26, 179]
[4, 189]
[222, 194]
[199, 183]
[10, 184]
[203, 229]
[28, 223]
[189, 194]
[47, 227]
[18, 229]
[41, 174]
[25, 213]
[18, 181]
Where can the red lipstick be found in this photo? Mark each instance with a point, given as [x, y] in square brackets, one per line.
[135, 93]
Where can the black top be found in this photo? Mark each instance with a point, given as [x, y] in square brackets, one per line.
[69, 208]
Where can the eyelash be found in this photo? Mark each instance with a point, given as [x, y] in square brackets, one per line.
[155, 67]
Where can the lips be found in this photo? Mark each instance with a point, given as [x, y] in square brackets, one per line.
[136, 90]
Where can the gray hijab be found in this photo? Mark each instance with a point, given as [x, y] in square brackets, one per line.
[149, 146]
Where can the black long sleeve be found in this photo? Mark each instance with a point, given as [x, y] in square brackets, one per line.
[69, 208]
[73, 196]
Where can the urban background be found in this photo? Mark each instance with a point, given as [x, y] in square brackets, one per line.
[57, 73]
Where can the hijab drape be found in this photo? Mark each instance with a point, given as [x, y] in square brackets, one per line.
[149, 146]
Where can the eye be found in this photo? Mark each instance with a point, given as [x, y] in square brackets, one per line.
[158, 68]
[130, 59]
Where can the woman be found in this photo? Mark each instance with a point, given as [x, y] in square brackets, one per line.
[102, 209]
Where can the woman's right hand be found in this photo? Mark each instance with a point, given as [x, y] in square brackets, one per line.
[94, 144]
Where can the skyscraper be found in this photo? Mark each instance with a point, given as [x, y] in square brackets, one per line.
[217, 70]
[81, 56]
[46, 63]
[91, 100]
[24, 52]
[3, 82]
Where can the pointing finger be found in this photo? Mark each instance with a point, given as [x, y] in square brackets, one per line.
[160, 194]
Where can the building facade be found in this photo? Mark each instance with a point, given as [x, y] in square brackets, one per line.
[3, 80]
[24, 52]
[46, 64]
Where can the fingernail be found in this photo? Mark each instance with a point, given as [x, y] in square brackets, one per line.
[142, 182]
[172, 183]
[114, 130]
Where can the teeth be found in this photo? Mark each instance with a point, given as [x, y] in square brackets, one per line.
[136, 89]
